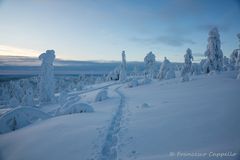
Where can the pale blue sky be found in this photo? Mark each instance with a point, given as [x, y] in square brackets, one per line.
[101, 29]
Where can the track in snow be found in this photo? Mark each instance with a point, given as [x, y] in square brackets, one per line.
[109, 149]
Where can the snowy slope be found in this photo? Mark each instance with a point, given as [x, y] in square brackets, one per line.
[143, 122]
[199, 116]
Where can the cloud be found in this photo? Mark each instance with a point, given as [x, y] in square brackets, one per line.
[167, 40]
[15, 51]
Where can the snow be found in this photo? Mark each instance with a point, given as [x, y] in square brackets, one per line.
[145, 122]
[20, 117]
[102, 95]
[133, 83]
[75, 108]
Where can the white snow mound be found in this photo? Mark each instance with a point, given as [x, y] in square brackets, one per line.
[102, 95]
[75, 108]
[19, 118]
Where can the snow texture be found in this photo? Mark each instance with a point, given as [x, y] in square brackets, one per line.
[110, 146]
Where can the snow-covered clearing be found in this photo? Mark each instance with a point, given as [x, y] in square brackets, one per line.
[154, 121]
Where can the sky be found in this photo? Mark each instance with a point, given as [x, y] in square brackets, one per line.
[101, 29]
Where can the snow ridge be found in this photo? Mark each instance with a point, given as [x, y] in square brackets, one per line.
[109, 149]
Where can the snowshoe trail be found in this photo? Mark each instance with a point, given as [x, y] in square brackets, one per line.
[110, 145]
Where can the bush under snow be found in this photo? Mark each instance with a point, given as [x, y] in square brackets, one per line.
[133, 83]
[20, 117]
[102, 95]
[75, 108]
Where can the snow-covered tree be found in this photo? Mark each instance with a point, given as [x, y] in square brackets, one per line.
[187, 65]
[233, 59]
[214, 53]
[196, 69]
[28, 97]
[238, 58]
[226, 64]
[16, 91]
[47, 84]
[123, 71]
[238, 66]
[150, 65]
[166, 70]
[14, 102]
[135, 71]
[115, 74]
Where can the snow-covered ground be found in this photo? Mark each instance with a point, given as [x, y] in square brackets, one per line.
[158, 121]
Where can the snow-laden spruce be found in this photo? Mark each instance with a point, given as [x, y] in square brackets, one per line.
[102, 95]
[47, 84]
[187, 65]
[150, 65]
[166, 70]
[214, 53]
[123, 71]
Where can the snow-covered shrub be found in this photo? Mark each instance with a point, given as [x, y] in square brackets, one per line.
[16, 91]
[150, 65]
[145, 105]
[123, 71]
[115, 74]
[166, 70]
[20, 117]
[75, 108]
[145, 81]
[214, 53]
[133, 83]
[14, 102]
[102, 95]
[47, 84]
[28, 98]
[62, 97]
